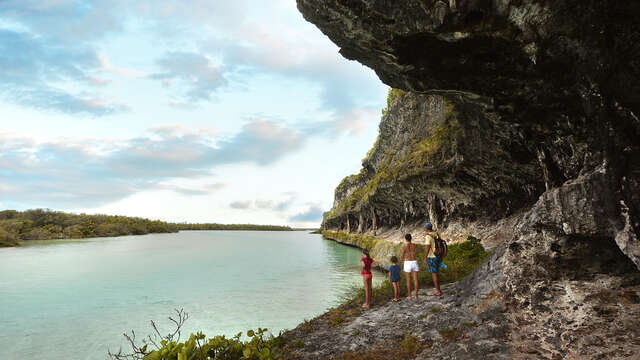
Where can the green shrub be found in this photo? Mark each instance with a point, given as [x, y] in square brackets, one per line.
[405, 349]
[259, 346]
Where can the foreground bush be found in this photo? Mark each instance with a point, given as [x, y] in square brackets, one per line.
[259, 345]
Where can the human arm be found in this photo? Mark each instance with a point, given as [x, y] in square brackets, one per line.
[426, 253]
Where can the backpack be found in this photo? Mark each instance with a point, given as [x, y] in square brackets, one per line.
[441, 248]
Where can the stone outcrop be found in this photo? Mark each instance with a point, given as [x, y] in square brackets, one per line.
[451, 159]
[551, 89]
[518, 113]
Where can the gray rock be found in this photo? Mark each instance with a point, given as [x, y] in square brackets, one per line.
[518, 121]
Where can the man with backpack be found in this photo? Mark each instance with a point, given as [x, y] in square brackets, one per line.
[435, 250]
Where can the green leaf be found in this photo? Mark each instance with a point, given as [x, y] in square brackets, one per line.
[250, 333]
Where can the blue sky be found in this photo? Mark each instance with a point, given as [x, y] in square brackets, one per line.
[199, 111]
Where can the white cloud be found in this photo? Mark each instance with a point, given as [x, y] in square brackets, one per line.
[122, 71]
[240, 205]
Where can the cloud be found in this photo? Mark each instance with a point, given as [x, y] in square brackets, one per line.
[193, 71]
[218, 44]
[313, 214]
[261, 141]
[260, 204]
[122, 71]
[276, 205]
[93, 172]
[303, 53]
[240, 205]
[206, 190]
[33, 69]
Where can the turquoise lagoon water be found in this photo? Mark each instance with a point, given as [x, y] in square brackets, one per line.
[74, 299]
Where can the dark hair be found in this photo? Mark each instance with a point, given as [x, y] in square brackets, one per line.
[366, 253]
[408, 237]
[394, 259]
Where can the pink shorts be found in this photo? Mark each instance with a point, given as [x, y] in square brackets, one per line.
[367, 276]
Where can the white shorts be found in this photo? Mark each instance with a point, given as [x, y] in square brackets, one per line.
[410, 266]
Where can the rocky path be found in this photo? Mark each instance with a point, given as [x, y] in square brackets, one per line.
[582, 321]
[448, 329]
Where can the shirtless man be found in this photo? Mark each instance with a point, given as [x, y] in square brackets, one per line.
[410, 259]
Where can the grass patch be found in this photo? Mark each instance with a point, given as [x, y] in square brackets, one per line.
[405, 349]
[455, 334]
[306, 326]
[336, 317]
[451, 335]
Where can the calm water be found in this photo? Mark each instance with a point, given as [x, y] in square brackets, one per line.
[74, 299]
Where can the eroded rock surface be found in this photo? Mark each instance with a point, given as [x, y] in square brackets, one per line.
[518, 113]
[554, 84]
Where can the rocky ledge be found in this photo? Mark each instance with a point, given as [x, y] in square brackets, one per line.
[584, 321]
[515, 121]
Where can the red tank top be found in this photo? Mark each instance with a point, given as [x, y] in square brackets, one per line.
[367, 265]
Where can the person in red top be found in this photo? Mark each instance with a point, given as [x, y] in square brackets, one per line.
[367, 261]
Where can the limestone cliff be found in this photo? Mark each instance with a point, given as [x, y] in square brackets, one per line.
[516, 120]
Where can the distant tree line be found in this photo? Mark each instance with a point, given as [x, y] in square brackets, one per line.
[185, 226]
[44, 224]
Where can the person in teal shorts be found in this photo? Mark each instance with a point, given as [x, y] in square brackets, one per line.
[431, 259]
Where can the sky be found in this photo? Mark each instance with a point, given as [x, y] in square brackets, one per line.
[187, 111]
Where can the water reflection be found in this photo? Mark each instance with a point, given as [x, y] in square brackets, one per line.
[345, 262]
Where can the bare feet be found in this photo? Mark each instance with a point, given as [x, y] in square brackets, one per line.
[436, 293]
[409, 297]
[365, 306]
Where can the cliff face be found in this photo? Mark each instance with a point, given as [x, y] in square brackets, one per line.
[508, 99]
[516, 115]
[451, 159]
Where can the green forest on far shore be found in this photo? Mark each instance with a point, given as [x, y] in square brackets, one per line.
[44, 224]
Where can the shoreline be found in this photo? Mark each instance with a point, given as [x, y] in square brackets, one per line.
[9, 244]
[404, 329]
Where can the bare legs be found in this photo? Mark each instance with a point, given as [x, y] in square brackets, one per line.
[396, 291]
[415, 284]
[408, 276]
[436, 285]
[367, 292]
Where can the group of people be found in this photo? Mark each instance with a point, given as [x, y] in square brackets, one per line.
[433, 260]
